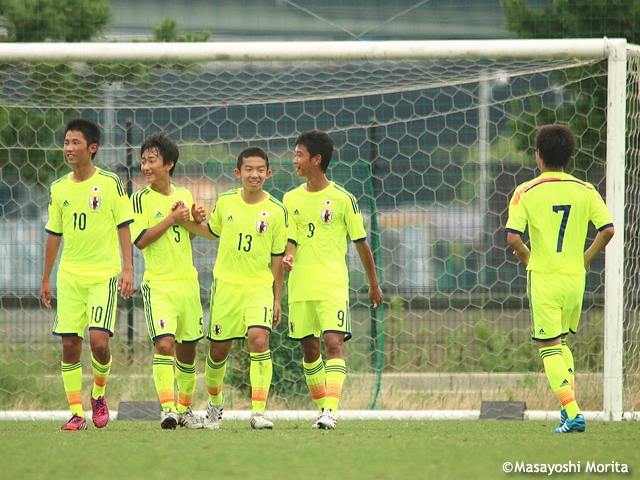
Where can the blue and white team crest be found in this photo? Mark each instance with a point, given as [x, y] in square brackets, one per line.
[261, 226]
[162, 323]
[217, 329]
[94, 202]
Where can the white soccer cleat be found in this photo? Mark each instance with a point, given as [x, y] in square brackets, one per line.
[213, 419]
[169, 419]
[189, 421]
[259, 421]
[326, 420]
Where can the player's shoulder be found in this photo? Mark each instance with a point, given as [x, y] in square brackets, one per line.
[60, 181]
[229, 194]
[276, 204]
[139, 198]
[341, 191]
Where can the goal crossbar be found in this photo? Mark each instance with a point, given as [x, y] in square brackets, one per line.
[312, 51]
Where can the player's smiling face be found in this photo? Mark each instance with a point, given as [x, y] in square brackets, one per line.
[253, 173]
[153, 168]
[76, 149]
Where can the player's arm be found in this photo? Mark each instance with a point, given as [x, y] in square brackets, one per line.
[195, 228]
[50, 253]
[366, 257]
[289, 254]
[125, 281]
[520, 250]
[599, 243]
[199, 216]
[277, 270]
[152, 234]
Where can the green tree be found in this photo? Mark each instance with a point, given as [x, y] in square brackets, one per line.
[54, 20]
[573, 19]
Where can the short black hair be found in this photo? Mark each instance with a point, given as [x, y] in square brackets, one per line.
[555, 145]
[317, 142]
[165, 146]
[89, 129]
[252, 152]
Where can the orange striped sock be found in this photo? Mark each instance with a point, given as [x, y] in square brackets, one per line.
[315, 376]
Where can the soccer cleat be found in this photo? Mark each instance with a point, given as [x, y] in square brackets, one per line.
[189, 420]
[326, 421]
[259, 421]
[100, 412]
[213, 419]
[571, 426]
[75, 423]
[563, 417]
[169, 420]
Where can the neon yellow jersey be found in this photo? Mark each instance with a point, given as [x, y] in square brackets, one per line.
[249, 235]
[557, 209]
[319, 223]
[87, 215]
[170, 256]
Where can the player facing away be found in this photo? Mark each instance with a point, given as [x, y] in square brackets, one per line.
[557, 208]
[170, 288]
[321, 215]
[90, 209]
[247, 282]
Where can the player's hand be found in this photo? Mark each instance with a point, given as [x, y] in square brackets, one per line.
[125, 284]
[198, 213]
[45, 294]
[277, 314]
[287, 263]
[375, 296]
[180, 213]
[523, 257]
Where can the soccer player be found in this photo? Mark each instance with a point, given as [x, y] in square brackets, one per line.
[90, 209]
[557, 209]
[322, 214]
[247, 282]
[170, 288]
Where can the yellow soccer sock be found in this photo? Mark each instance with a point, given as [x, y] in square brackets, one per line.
[214, 376]
[72, 381]
[186, 380]
[568, 360]
[100, 377]
[164, 379]
[315, 376]
[336, 373]
[558, 376]
[260, 373]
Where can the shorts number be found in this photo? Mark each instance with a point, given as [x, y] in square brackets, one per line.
[96, 314]
[247, 238]
[341, 317]
[565, 209]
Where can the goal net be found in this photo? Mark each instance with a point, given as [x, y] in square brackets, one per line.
[431, 137]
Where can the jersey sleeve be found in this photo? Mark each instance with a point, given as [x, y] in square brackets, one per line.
[517, 220]
[140, 219]
[54, 223]
[280, 235]
[292, 228]
[123, 212]
[215, 222]
[600, 217]
[355, 221]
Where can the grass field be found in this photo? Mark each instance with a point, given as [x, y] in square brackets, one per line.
[355, 450]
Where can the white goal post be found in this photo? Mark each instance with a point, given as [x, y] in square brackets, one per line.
[615, 51]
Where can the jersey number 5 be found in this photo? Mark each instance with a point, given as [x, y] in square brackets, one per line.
[565, 209]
